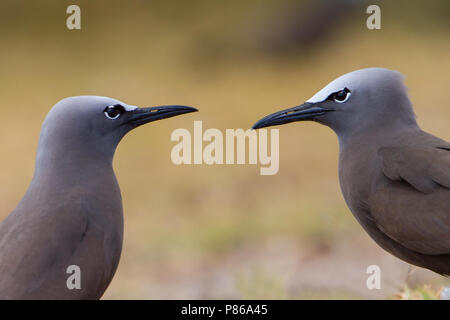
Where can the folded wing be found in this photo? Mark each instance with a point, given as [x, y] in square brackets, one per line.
[412, 203]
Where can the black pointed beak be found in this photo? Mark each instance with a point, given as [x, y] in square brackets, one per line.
[144, 115]
[306, 111]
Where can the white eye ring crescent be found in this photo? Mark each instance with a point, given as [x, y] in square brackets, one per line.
[346, 98]
[108, 116]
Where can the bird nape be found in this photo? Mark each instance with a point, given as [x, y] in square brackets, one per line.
[395, 177]
[64, 238]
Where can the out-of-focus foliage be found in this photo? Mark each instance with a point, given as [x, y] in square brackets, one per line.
[425, 292]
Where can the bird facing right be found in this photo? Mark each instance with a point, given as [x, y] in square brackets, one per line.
[395, 177]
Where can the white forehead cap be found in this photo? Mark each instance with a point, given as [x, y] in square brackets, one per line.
[345, 81]
[352, 80]
[127, 107]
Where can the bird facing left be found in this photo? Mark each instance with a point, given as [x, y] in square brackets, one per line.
[71, 214]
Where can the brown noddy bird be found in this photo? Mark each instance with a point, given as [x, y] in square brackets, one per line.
[395, 177]
[71, 214]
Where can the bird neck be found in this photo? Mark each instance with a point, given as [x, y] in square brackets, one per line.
[381, 133]
[72, 164]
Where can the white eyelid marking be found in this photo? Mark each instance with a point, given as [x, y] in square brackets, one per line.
[323, 94]
[112, 118]
[346, 98]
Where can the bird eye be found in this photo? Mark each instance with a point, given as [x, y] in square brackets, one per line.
[113, 112]
[340, 96]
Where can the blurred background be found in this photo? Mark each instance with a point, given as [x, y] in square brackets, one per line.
[224, 231]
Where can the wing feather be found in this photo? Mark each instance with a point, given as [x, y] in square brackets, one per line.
[412, 205]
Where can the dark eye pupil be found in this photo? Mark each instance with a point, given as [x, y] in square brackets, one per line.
[341, 95]
[113, 111]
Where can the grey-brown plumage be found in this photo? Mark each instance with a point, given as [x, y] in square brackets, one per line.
[71, 213]
[394, 176]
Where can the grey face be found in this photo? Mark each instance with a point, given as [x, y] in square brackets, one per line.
[91, 123]
[352, 102]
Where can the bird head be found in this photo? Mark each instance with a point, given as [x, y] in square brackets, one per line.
[353, 102]
[94, 124]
